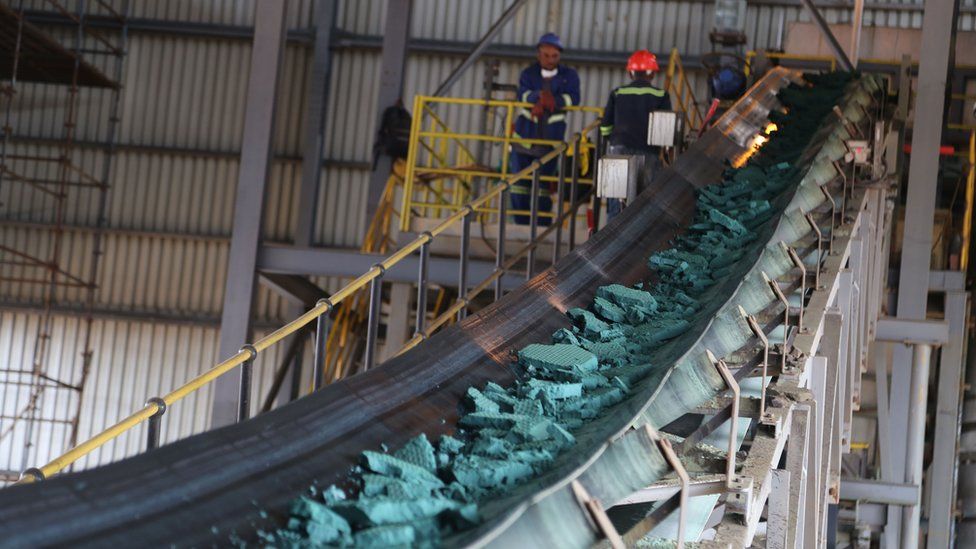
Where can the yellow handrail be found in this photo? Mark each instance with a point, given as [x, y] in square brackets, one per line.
[324, 306]
[685, 102]
[967, 219]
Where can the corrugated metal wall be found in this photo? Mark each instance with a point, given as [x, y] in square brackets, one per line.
[173, 181]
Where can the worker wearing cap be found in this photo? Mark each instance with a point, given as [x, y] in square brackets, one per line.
[550, 88]
[625, 118]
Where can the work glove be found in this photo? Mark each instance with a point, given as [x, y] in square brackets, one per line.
[547, 100]
[538, 110]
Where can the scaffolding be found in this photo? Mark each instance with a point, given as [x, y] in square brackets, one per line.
[76, 71]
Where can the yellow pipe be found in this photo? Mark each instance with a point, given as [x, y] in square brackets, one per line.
[967, 219]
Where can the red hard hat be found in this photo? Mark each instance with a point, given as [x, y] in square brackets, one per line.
[642, 61]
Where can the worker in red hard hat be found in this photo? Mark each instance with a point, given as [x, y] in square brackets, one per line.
[625, 118]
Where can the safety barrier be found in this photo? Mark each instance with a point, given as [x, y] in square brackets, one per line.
[155, 408]
[442, 170]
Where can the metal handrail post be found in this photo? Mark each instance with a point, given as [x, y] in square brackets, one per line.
[244, 400]
[500, 244]
[596, 177]
[560, 184]
[318, 353]
[463, 261]
[154, 423]
[573, 187]
[533, 221]
[422, 284]
[373, 320]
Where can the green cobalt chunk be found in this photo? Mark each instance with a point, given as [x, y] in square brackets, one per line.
[398, 468]
[624, 297]
[394, 535]
[560, 356]
[419, 452]
[321, 525]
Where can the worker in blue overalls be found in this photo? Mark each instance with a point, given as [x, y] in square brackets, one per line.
[625, 119]
[550, 87]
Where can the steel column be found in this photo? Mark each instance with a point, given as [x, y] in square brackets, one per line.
[821, 23]
[856, 18]
[235, 326]
[945, 458]
[317, 92]
[911, 514]
[938, 40]
[938, 43]
[395, 38]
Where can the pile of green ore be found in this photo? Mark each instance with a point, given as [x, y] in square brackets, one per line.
[428, 489]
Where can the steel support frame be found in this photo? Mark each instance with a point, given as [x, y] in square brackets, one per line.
[316, 94]
[351, 263]
[396, 35]
[936, 58]
[948, 422]
[239, 291]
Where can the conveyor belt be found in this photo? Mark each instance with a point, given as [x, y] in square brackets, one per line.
[204, 489]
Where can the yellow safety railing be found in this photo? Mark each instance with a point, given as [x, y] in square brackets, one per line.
[156, 406]
[682, 94]
[967, 220]
[441, 168]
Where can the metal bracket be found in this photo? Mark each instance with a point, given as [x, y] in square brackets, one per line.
[803, 281]
[758, 332]
[732, 384]
[816, 229]
[594, 510]
[851, 128]
[672, 458]
[833, 216]
[774, 286]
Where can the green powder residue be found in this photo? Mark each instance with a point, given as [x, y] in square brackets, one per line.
[423, 491]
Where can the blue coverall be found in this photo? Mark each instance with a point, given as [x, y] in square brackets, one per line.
[564, 87]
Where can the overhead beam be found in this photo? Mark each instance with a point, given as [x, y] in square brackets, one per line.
[255, 165]
[821, 23]
[900, 330]
[340, 262]
[876, 491]
[299, 290]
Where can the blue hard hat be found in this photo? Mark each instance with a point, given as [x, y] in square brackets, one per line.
[551, 39]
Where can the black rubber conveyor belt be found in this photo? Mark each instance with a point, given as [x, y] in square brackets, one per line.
[203, 489]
